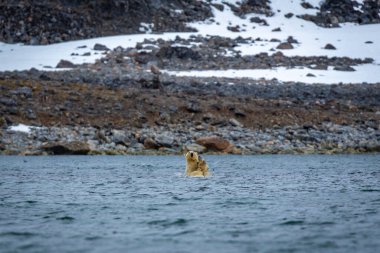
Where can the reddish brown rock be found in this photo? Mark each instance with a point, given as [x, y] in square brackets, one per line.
[149, 143]
[285, 45]
[65, 64]
[214, 143]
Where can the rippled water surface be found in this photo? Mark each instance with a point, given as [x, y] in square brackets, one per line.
[144, 204]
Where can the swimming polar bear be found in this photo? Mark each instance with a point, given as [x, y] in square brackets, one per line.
[196, 166]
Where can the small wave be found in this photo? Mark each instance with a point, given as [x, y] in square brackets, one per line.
[15, 233]
[293, 222]
[370, 190]
[66, 218]
[202, 189]
[184, 232]
[28, 246]
[186, 199]
[322, 223]
[371, 211]
[170, 204]
[31, 201]
[93, 238]
[97, 185]
[126, 181]
[168, 223]
[178, 198]
[230, 203]
[328, 244]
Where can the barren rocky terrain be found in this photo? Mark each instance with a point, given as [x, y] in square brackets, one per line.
[127, 103]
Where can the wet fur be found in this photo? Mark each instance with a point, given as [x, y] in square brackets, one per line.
[195, 165]
[203, 167]
[191, 162]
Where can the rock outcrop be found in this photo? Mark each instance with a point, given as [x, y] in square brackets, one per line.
[67, 148]
[333, 12]
[44, 22]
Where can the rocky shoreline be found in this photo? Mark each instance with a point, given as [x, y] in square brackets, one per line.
[327, 138]
[77, 118]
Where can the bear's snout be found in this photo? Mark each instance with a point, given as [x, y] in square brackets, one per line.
[191, 154]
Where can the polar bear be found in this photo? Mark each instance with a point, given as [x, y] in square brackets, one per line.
[195, 165]
[191, 162]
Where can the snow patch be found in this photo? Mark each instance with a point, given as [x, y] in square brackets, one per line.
[329, 76]
[146, 28]
[24, 57]
[21, 128]
[178, 11]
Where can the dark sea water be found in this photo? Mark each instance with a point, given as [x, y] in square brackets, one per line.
[273, 203]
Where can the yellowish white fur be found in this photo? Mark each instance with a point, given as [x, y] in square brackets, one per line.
[191, 162]
[203, 167]
[195, 167]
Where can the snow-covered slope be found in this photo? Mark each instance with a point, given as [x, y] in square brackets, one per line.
[23, 57]
[349, 40]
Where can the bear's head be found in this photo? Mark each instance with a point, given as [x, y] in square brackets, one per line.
[192, 156]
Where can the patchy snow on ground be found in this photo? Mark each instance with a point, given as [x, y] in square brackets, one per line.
[311, 37]
[24, 57]
[349, 40]
[304, 75]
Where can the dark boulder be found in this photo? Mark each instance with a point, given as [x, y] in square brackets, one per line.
[255, 6]
[329, 47]
[149, 143]
[285, 45]
[344, 68]
[67, 148]
[289, 15]
[65, 64]
[193, 107]
[22, 91]
[259, 21]
[100, 47]
[307, 5]
[8, 101]
[183, 53]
